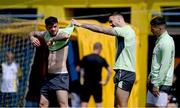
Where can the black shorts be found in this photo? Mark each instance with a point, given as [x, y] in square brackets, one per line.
[88, 90]
[124, 79]
[55, 82]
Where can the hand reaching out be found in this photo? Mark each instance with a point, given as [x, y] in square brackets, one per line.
[75, 22]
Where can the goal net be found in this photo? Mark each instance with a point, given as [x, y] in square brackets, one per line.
[14, 37]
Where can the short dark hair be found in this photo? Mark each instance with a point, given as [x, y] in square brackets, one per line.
[158, 21]
[116, 14]
[97, 45]
[51, 20]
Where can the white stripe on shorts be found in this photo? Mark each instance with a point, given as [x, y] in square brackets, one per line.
[62, 72]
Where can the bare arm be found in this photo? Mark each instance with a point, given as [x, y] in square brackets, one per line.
[33, 37]
[82, 76]
[36, 34]
[99, 29]
[60, 36]
[108, 76]
[95, 28]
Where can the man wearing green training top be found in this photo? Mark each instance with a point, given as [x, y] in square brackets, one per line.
[57, 79]
[125, 63]
[161, 75]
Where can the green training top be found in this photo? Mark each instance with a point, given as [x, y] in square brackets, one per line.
[126, 48]
[57, 45]
[163, 61]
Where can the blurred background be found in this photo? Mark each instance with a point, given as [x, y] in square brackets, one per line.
[19, 17]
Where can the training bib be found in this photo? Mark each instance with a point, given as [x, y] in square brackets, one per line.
[57, 45]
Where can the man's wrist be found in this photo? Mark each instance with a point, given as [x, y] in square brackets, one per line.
[156, 86]
[82, 25]
[31, 37]
[52, 39]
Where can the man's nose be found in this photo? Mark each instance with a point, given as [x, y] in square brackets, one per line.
[53, 28]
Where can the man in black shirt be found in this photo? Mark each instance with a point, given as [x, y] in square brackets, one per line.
[91, 67]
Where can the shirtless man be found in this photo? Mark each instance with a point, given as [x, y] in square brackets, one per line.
[57, 79]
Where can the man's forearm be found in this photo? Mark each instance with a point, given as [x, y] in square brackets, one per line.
[108, 75]
[61, 36]
[99, 29]
[31, 35]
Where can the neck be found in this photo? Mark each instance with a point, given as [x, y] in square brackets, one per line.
[162, 32]
[122, 24]
[96, 52]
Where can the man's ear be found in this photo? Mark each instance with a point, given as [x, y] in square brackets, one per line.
[161, 27]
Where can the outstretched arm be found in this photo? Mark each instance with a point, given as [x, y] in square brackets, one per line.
[95, 28]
